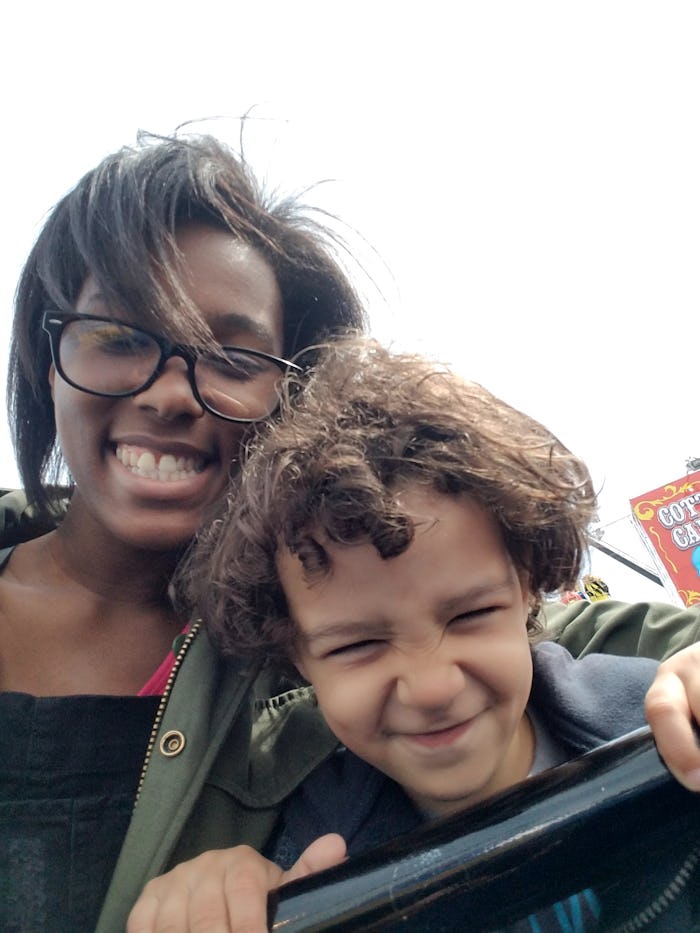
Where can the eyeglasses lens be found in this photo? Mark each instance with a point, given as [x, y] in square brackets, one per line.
[108, 357]
[238, 384]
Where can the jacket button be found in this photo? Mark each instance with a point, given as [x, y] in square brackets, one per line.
[172, 743]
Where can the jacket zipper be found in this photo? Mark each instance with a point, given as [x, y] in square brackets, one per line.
[184, 647]
[670, 893]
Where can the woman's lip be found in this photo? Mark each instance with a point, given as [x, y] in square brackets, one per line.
[159, 446]
[188, 482]
[150, 464]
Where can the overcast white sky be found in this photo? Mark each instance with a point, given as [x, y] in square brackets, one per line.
[527, 173]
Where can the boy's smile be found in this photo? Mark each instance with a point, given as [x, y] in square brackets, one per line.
[421, 662]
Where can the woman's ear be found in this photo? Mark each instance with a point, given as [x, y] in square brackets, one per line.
[52, 377]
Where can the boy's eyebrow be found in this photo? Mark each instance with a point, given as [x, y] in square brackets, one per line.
[346, 628]
[376, 629]
[490, 590]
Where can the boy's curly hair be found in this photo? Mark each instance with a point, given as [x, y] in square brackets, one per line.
[367, 423]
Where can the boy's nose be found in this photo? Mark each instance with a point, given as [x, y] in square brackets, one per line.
[430, 682]
[172, 393]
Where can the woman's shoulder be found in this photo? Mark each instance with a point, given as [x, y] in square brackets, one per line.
[645, 629]
[19, 520]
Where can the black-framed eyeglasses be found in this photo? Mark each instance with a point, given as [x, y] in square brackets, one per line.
[105, 357]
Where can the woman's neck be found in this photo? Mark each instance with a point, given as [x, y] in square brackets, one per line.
[86, 555]
[75, 620]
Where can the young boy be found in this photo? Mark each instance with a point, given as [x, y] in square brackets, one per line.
[393, 536]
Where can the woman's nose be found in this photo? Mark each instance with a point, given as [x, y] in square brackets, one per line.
[172, 394]
[429, 682]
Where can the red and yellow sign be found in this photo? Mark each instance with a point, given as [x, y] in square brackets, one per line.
[668, 518]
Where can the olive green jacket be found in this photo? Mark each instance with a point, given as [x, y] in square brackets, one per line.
[220, 765]
[647, 630]
[222, 758]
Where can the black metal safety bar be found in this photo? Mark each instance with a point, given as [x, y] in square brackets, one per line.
[613, 814]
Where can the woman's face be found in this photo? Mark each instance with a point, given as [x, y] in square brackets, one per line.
[146, 467]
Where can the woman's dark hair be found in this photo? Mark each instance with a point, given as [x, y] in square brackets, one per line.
[367, 424]
[118, 224]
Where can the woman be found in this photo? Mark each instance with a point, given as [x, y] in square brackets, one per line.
[153, 320]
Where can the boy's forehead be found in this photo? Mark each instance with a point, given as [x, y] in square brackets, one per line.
[314, 561]
[420, 503]
[457, 556]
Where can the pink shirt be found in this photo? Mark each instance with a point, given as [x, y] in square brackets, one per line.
[155, 685]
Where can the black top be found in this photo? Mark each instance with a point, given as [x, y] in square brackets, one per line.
[69, 770]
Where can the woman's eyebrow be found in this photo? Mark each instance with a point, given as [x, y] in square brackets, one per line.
[229, 320]
[235, 320]
[94, 298]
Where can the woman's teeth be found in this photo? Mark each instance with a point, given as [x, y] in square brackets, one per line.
[167, 468]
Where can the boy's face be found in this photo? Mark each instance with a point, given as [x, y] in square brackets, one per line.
[421, 663]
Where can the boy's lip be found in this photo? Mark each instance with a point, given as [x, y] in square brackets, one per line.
[435, 738]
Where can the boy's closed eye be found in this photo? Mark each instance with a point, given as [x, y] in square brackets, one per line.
[368, 647]
[473, 616]
[356, 650]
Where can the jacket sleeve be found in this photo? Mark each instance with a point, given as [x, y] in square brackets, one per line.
[649, 630]
[19, 521]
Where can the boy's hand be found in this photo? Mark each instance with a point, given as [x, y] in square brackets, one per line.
[223, 891]
[672, 709]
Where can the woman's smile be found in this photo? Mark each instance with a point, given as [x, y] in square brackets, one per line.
[164, 467]
[182, 475]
